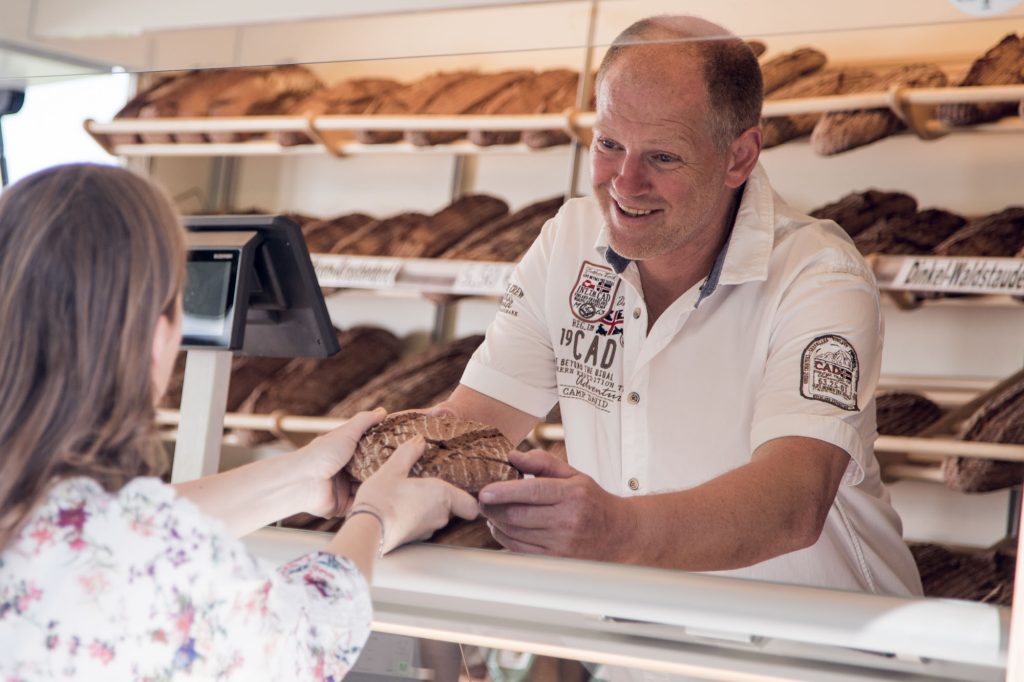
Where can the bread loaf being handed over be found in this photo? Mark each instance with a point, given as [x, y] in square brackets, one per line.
[467, 454]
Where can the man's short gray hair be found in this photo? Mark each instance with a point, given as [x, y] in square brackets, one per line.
[732, 77]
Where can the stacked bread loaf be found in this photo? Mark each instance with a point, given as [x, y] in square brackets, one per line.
[984, 576]
[307, 386]
[1003, 64]
[909, 235]
[1000, 419]
[997, 234]
[417, 380]
[246, 374]
[902, 413]
[858, 211]
[506, 239]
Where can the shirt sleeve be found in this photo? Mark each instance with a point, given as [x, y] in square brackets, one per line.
[823, 365]
[516, 364]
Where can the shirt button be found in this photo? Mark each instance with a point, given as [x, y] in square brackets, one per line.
[637, 313]
[633, 398]
[634, 484]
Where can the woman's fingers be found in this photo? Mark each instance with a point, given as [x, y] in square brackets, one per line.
[462, 504]
[405, 455]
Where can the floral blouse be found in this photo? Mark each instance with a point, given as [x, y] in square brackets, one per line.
[141, 585]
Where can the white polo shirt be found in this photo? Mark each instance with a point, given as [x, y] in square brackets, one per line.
[783, 338]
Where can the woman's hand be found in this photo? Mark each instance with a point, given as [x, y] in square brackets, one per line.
[322, 460]
[412, 508]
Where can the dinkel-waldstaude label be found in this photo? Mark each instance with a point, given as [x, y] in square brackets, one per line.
[961, 275]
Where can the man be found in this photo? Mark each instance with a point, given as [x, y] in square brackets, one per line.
[714, 352]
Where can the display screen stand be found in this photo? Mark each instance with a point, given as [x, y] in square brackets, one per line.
[204, 396]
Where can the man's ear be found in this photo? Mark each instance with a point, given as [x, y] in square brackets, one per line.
[743, 154]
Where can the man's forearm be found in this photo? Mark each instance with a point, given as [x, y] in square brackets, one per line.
[466, 403]
[772, 506]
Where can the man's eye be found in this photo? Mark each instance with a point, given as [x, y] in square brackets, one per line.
[607, 144]
[664, 158]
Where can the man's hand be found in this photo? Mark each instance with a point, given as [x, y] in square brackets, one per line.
[561, 511]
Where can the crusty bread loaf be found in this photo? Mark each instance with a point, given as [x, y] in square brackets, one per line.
[787, 67]
[918, 234]
[322, 235]
[779, 129]
[984, 575]
[561, 99]
[467, 454]
[412, 98]
[857, 211]
[246, 374]
[167, 102]
[162, 86]
[349, 97]
[308, 386]
[452, 223]
[378, 237]
[468, 96]
[1003, 64]
[413, 381]
[902, 413]
[528, 96]
[840, 131]
[507, 238]
[998, 234]
[1000, 419]
[266, 91]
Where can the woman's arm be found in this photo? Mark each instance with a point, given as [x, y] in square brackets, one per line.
[262, 492]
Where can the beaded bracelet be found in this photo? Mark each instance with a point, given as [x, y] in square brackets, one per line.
[364, 508]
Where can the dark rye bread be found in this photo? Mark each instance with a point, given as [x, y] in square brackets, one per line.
[787, 67]
[506, 239]
[452, 223]
[1000, 419]
[984, 576]
[912, 235]
[995, 235]
[465, 453]
[857, 211]
[378, 237]
[528, 96]
[246, 374]
[1000, 65]
[309, 386]
[840, 131]
[322, 235]
[468, 96]
[349, 97]
[413, 381]
[779, 129]
[904, 413]
[412, 98]
[561, 99]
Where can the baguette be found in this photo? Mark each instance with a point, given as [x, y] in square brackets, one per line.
[788, 67]
[1002, 64]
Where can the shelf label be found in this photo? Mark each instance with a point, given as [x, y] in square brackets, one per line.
[356, 271]
[961, 275]
[483, 278]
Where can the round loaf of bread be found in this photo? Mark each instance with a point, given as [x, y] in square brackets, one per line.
[465, 453]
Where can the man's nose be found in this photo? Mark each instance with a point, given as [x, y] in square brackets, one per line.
[631, 178]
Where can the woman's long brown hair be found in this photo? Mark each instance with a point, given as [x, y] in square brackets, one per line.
[90, 257]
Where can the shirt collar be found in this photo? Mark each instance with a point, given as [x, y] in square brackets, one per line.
[745, 254]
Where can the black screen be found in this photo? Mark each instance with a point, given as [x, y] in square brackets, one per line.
[208, 300]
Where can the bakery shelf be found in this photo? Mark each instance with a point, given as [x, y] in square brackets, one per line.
[950, 274]
[425, 275]
[913, 105]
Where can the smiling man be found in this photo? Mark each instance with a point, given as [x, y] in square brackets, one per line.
[714, 352]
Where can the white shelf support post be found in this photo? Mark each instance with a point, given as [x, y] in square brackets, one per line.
[203, 401]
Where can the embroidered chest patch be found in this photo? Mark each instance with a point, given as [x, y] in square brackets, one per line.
[829, 372]
[590, 299]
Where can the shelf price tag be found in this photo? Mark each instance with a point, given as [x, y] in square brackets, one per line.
[961, 275]
[490, 279]
[358, 272]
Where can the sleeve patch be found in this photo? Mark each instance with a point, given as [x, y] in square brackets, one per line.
[829, 372]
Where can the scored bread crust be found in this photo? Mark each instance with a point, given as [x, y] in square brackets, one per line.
[465, 453]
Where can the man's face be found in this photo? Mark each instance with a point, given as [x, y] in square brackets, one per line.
[656, 174]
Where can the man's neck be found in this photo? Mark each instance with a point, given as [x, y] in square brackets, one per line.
[666, 278]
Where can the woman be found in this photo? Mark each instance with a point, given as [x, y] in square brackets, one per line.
[105, 571]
